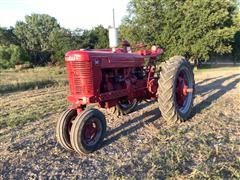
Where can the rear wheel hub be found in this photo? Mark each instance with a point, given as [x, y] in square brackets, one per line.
[182, 91]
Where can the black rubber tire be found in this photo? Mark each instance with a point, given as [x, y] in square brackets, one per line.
[76, 135]
[167, 89]
[121, 110]
[62, 131]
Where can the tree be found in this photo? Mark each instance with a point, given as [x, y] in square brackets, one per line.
[4, 58]
[192, 28]
[34, 35]
[88, 39]
[12, 55]
[7, 36]
[236, 43]
[77, 38]
[102, 37]
[62, 40]
[45, 40]
[95, 38]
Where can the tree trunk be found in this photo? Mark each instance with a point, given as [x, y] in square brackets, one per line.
[194, 61]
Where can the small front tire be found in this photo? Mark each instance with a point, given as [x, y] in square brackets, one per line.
[63, 128]
[88, 131]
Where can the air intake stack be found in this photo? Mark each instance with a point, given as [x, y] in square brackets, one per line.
[113, 35]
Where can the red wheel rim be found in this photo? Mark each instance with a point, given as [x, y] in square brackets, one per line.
[182, 90]
[90, 131]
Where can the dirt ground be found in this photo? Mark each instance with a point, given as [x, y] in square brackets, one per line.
[139, 145]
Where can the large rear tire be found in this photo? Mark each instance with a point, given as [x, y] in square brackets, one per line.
[176, 89]
[63, 128]
[88, 131]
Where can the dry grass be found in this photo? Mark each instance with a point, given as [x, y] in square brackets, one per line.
[34, 94]
[37, 78]
[138, 146]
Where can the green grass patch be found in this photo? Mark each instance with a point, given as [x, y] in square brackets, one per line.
[17, 111]
[32, 94]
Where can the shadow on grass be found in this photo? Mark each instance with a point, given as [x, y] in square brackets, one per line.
[23, 86]
[215, 85]
[206, 80]
[151, 116]
[144, 104]
[128, 127]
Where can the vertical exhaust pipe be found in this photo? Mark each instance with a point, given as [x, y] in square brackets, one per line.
[113, 35]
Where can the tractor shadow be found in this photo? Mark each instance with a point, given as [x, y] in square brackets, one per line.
[206, 80]
[131, 126]
[217, 85]
[151, 116]
[144, 104]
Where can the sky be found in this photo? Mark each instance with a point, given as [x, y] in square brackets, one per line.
[71, 14]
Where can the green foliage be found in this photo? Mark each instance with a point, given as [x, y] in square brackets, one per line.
[34, 36]
[196, 29]
[18, 55]
[236, 44]
[193, 28]
[35, 31]
[88, 39]
[61, 41]
[45, 40]
[12, 55]
[236, 47]
[7, 36]
[102, 37]
[95, 38]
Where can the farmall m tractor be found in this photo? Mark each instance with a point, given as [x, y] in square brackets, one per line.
[117, 79]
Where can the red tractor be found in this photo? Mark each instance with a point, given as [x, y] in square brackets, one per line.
[118, 81]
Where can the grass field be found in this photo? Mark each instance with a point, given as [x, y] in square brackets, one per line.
[35, 93]
[15, 80]
[139, 145]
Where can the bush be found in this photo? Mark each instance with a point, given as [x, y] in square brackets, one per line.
[11, 56]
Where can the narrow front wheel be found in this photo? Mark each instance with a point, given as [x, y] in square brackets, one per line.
[63, 128]
[88, 131]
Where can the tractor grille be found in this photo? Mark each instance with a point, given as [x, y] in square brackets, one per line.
[80, 77]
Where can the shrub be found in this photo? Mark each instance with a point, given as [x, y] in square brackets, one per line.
[11, 56]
